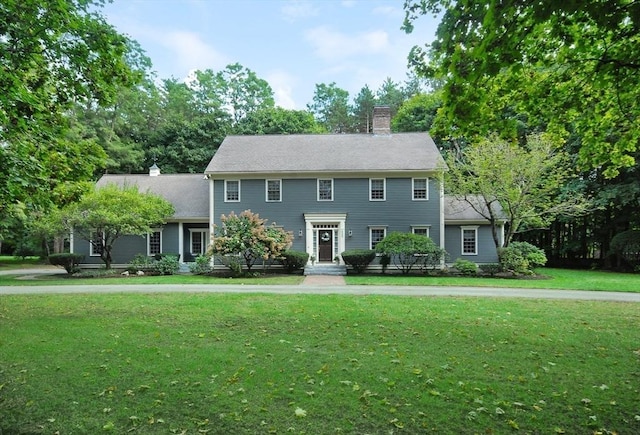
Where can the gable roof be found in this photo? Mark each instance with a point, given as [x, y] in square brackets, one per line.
[189, 193]
[310, 153]
[459, 210]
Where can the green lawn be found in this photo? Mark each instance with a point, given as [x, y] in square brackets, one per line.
[229, 363]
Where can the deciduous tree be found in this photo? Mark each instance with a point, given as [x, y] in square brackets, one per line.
[110, 212]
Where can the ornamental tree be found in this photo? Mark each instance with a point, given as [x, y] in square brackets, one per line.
[246, 236]
[104, 215]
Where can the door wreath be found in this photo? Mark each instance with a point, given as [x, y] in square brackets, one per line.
[325, 237]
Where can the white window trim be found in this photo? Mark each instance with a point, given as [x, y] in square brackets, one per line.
[384, 189]
[225, 190]
[421, 227]
[413, 189]
[318, 189]
[154, 230]
[473, 228]
[266, 190]
[91, 248]
[205, 240]
[373, 227]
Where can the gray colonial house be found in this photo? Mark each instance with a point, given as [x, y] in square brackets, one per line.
[334, 192]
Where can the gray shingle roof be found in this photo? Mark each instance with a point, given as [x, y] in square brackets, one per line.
[326, 153]
[458, 209]
[189, 193]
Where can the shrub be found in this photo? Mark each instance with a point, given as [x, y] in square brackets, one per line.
[201, 266]
[167, 264]
[67, 260]
[626, 245]
[141, 262]
[407, 249]
[293, 260]
[466, 267]
[521, 257]
[491, 269]
[358, 259]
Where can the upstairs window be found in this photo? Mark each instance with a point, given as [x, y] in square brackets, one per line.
[420, 189]
[232, 190]
[325, 189]
[154, 242]
[274, 190]
[377, 189]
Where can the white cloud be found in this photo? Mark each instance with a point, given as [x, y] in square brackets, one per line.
[329, 44]
[282, 84]
[294, 10]
[190, 52]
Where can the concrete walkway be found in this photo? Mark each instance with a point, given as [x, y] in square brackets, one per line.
[317, 284]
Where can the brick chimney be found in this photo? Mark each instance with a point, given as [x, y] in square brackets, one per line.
[381, 120]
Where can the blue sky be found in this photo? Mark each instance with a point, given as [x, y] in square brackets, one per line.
[292, 44]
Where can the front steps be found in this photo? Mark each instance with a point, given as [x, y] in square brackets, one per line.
[325, 269]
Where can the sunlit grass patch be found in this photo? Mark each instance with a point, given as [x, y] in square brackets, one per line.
[216, 363]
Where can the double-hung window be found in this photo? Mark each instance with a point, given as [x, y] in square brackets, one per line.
[154, 242]
[420, 189]
[376, 234]
[469, 240]
[325, 189]
[422, 230]
[198, 241]
[96, 243]
[377, 189]
[273, 190]
[231, 190]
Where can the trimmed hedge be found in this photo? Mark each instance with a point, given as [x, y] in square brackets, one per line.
[358, 259]
[67, 260]
[293, 260]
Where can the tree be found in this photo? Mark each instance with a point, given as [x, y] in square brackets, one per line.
[417, 113]
[104, 215]
[277, 120]
[330, 107]
[246, 236]
[53, 54]
[407, 250]
[390, 94]
[502, 180]
[573, 65]
[363, 106]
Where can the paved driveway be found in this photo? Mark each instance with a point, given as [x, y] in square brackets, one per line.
[317, 286]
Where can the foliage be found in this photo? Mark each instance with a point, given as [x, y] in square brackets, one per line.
[406, 250]
[202, 265]
[570, 65]
[276, 120]
[110, 212]
[502, 180]
[245, 237]
[330, 107]
[627, 246]
[491, 269]
[293, 260]
[417, 113]
[68, 261]
[53, 55]
[358, 259]
[465, 267]
[164, 264]
[521, 258]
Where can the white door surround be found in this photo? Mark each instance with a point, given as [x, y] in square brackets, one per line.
[316, 223]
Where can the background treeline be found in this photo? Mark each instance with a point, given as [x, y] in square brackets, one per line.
[78, 100]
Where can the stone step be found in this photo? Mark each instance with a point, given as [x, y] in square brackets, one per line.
[325, 269]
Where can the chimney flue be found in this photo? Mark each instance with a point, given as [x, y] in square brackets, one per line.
[381, 120]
